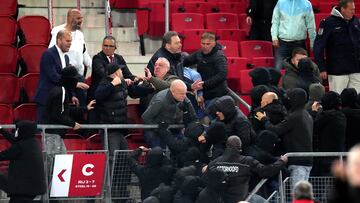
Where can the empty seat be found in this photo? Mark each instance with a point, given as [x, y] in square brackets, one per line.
[182, 21]
[200, 7]
[263, 61]
[94, 142]
[242, 23]
[222, 21]
[235, 65]
[255, 48]
[75, 142]
[6, 114]
[9, 58]
[326, 7]
[230, 48]
[9, 89]
[31, 34]
[232, 7]
[25, 111]
[231, 34]
[245, 82]
[8, 8]
[156, 19]
[176, 7]
[192, 39]
[30, 56]
[8, 30]
[28, 84]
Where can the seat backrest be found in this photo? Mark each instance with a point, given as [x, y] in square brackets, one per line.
[8, 30]
[39, 34]
[28, 84]
[200, 7]
[192, 39]
[235, 65]
[255, 48]
[9, 88]
[25, 111]
[231, 34]
[230, 48]
[75, 142]
[263, 61]
[9, 58]
[246, 83]
[232, 7]
[31, 55]
[156, 19]
[182, 21]
[8, 8]
[6, 114]
[222, 21]
[242, 23]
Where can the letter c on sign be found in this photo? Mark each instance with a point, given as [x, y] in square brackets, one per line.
[86, 166]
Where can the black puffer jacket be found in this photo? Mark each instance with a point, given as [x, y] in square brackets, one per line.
[26, 169]
[213, 70]
[154, 172]
[111, 102]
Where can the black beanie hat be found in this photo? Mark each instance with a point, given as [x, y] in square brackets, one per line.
[194, 130]
[331, 100]
[348, 97]
[68, 78]
[260, 76]
[112, 68]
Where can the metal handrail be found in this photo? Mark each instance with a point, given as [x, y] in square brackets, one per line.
[237, 98]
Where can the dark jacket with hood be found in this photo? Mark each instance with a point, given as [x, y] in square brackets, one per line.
[26, 174]
[155, 171]
[348, 99]
[236, 122]
[57, 109]
[111, 101]
[215, 185]
[296, 130]
[213, 70]
[341, 41]
[175, 60]
[99, 63]
[301, 76]
[239, 168]
[189, 190]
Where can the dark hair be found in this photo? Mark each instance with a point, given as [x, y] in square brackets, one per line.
[109, 37]
[344, 3]
[208, 35]
[298, 50]
[167, 37]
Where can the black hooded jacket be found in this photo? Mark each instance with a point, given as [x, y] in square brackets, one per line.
[296, 129]
[26, 174]
[215, 185]
[213, 70]
[189, 190]
[154, 172]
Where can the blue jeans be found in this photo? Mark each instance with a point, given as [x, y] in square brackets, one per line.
[298, 173]
[284, 51]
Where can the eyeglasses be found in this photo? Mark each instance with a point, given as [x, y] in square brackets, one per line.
[108, 46]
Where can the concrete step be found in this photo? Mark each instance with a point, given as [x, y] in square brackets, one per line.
[123, 18]
[62, 3]
[152, 45]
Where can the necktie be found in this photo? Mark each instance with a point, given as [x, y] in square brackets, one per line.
[111, 59]
[67, 61]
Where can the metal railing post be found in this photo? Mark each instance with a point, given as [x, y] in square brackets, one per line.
[108, 179]
[50, 13]
[167, 16]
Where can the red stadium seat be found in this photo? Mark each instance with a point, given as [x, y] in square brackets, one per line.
[25, 112]
[255, 48]
[6, 114]
[9, 58]
[8, 30]
[243, 108]
[319, 17]
[263, 61]
[39, 34]
[235, 65]
[245, 80]
[230, 48]
[75, 142]
[231, 34]
[30, 55]
[326, 7]
[95, 142]
[199, 7]
[232, 7]
[242, 23]
[176, 7]
[8, 8]
[192, 39]
[9, 89]
[222, 21]
[156, 19]
[182, 21]
[28, 84]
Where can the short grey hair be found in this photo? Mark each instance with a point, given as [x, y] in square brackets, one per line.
[164, 60]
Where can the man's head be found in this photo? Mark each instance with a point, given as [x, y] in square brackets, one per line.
[178, 90]
[74, 19]
[297, 54]
[63, 40]
[208, 42]
[267, 98]
[347, 8]
[353, 166]
[171, 42]
[234, 142]
[303, 191]
[162, 66]
[113, 70]
[109, 45]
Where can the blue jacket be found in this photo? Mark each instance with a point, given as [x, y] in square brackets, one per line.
[291, 19]
[341, 41]
[50, 68]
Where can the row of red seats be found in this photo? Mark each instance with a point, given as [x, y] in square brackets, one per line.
[12, 85]
[32, 29]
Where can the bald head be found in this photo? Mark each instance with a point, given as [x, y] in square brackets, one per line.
[74, 19]
[267, 98]
[353, 166]
[233, 142]
[178, 90]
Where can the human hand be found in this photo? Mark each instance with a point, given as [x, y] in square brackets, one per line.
[75, 101]
[77, 126]
[201, 102]
[284, 158]
[148, 74]
[82, 85]
[338, 169]
[276, 43]
[116, 81]
[202, 139]
[315, 106]
[197, 85]
[323, 75]
[91, 105]
[144, 149]
[249, 20]
[129, 82]
[260, 116]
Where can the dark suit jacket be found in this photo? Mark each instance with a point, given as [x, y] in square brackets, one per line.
[99, 63]
[50, 68]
